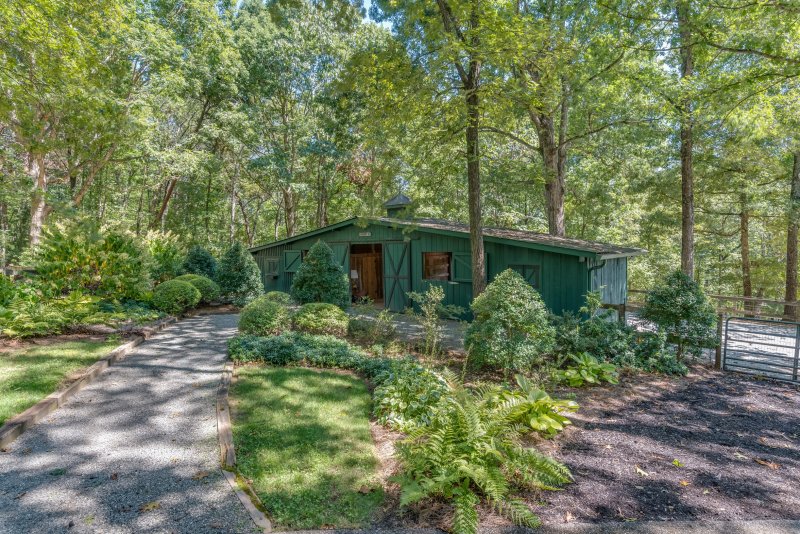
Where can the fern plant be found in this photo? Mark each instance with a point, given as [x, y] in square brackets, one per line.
[471, 450]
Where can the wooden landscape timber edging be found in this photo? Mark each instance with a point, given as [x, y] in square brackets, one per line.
[15, 426]
[238, 483]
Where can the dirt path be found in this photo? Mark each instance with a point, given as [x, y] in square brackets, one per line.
[136, 451]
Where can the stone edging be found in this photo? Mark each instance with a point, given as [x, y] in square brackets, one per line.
[238, 483]
[15, 426]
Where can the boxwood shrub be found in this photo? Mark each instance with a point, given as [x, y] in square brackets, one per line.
[209, 289]
[175, 296]
[321, 318]
[264, 317]
[279, 296]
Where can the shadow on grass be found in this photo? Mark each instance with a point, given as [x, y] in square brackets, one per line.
[302, 436]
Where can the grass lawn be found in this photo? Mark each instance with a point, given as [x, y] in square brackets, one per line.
[303, 437]
[29, 375]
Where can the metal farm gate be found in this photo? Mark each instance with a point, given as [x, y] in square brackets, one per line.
[762, 347]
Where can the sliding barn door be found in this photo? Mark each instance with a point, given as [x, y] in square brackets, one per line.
[396, 275]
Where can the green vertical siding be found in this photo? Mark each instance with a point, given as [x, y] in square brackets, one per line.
[563, 279]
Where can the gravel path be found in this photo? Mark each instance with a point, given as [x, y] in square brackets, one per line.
[136, 451]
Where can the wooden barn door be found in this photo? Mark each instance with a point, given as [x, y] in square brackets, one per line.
[396, 275]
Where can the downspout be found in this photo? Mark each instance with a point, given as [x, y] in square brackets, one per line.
[589, 273]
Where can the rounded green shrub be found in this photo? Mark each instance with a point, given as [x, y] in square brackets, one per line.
[510, 330]
[321, 318]
[320, 278]
[188, 277]
[279, 296]
[175, 296]
[239, 276]
[209, 290]
[264, 317]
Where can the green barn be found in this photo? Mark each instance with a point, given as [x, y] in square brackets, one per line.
[387, 257]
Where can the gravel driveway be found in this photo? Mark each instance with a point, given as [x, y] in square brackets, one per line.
[136, 451]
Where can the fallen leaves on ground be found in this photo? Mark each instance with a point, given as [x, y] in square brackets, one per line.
[200, 475]
[150, 506]
[641, 472]
[767, 463]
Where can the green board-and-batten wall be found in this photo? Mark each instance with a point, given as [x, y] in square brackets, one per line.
[562, 279]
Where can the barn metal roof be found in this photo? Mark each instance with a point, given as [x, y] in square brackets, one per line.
[568, 245]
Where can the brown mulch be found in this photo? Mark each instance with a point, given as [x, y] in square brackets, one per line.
[12, 345]
[712, 446]
[736, 440]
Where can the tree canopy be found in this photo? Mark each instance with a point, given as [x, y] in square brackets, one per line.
[665, 124]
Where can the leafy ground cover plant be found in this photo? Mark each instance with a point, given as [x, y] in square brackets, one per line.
[471, 450]
[407, 395]
[264, 317]
[531, 406]
[510, 330]
[321, 318]
[239, 276]
[83, 256]
[200, 261]
[175, 296]
[679, 308]
[320, 278]
[585, 369]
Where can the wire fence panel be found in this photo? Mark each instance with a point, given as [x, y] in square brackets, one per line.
[762, 347]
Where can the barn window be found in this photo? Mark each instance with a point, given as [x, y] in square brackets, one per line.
[436, 265]
[272, 267]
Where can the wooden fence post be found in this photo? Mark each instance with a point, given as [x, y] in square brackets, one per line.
[718, 354]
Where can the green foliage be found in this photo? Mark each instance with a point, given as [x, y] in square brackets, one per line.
[8, 290]
[320, 278]
[31, 314]
[209, 290]
[407, 395]
[275, 350]
[264, 317]
[321, 318]
[279, 297]
[175, 296]
[679, 308]
[239, 276]
[510, 330]
[653, 354]
[83, 256]
[585, 369]
[533, 407]
[379, 329]
[431, 310]
[200, 261]
[472, 449]
[167, 255]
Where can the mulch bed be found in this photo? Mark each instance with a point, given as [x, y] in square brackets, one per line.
[736, 440]
[711, 446]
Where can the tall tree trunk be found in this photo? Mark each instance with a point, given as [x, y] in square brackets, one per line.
[290, 211]
[686, 135]
[744, 242]
[36, 170]
[791, 312]
[322, 196]
[553, 159]
[474, 193]
[160, 217]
